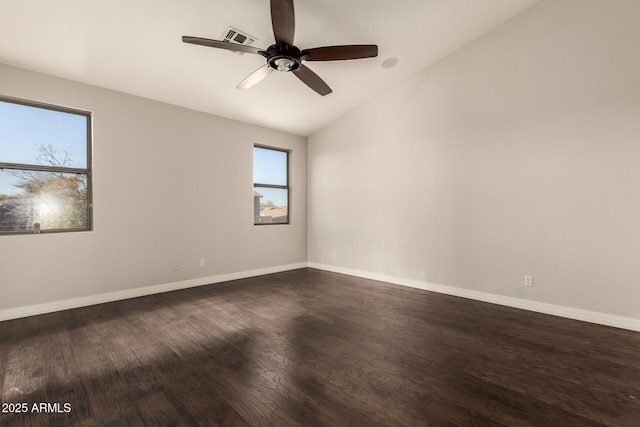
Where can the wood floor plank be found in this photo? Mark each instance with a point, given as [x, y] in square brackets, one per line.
[312, 348]
[58, 369]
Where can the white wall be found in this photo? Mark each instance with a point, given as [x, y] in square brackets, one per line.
[170, 185]
[519, 154]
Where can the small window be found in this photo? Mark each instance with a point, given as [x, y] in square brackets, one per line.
[45, 168]
[270, 186]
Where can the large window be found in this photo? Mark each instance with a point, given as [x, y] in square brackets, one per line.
[45, 168]
[270, 186]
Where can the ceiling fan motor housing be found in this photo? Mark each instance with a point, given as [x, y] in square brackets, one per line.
[283, 57]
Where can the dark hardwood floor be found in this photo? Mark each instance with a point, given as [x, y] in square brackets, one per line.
[314, 348]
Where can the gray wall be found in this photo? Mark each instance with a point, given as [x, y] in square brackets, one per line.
[519, 154]
[171, 185]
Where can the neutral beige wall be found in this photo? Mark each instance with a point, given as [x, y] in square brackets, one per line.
[170, 185]
[519, 154]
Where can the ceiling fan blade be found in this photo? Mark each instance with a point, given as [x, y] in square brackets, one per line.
[335, 53]
[312, 80]
[256, 77]
[220, 44]
[283, 21]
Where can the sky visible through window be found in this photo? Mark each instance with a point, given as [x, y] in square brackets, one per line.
[270, 167]
[23, 128]
[58, 198]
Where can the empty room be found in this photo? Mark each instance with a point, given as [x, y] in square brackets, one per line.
[320, 213]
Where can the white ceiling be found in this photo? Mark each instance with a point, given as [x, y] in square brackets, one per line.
[135, 46]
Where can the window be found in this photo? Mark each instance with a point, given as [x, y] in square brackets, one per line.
[45, 168]
[270, 186]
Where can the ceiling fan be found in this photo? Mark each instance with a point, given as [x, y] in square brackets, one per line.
[284, 56]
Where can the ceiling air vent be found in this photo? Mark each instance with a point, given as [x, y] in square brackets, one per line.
[233, 35]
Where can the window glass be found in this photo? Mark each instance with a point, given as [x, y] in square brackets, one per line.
[25, 129]
[45, 176]
[269, 166]
[270, 186]
[273, 205]
[53, 200]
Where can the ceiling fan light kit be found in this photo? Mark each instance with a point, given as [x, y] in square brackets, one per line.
[284, 56]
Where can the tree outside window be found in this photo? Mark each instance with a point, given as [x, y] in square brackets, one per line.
[45, 175]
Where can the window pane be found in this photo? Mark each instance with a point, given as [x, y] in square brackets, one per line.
[270, 205]
[269, 166]
[39, 136]
[54, 200]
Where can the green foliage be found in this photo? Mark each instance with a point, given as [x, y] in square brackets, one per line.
[60, 198]
[268, 204]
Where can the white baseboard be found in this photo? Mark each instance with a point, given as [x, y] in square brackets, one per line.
[32, 310]
[539, 307]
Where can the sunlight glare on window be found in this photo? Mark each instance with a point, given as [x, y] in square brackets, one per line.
[45, 175]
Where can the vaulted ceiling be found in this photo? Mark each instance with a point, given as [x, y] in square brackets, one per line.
[135, 46]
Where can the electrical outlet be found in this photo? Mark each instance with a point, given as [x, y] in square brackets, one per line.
[176, 267]
[528, 281]
[203, 263]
